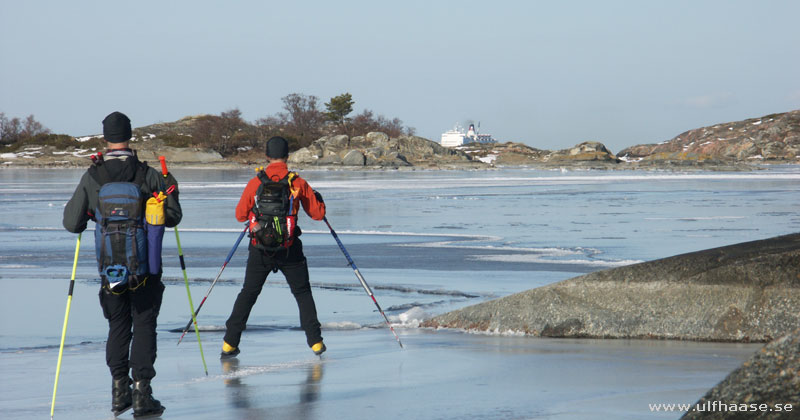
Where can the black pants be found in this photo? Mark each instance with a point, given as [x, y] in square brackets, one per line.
[294, 267]
[131, 319]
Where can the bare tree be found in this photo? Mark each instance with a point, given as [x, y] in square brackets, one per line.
[302, 120]
[366, 121]
[264, 129]
[231, 124]
[222, 133]
[10, 130]
[33, 128]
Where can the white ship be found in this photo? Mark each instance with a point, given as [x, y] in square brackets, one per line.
[457, 136]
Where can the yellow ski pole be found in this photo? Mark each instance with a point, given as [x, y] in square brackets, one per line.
[66, 320]
[189, 294]
[164, 172]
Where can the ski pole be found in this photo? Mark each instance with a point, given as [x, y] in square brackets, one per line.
[361, 279]
[66, 320]
[164, 172]
[227, 260]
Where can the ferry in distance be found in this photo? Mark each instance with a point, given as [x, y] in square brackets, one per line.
[457, 136]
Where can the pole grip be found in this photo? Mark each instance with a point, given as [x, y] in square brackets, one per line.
[163, 161]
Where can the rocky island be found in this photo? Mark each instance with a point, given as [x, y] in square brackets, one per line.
[741, 145]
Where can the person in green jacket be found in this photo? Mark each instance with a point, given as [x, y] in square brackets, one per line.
[131, 312]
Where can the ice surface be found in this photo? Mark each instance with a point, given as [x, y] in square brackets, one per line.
[427, 242]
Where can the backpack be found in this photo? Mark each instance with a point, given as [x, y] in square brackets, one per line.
[272, 224]
[119, 236]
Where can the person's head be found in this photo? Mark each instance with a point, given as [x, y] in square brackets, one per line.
[277, 149]
[116, 130]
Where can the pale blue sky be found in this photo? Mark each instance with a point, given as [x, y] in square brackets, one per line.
[550, 74]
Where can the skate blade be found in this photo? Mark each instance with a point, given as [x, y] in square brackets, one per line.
[149, 416]
[117, 413]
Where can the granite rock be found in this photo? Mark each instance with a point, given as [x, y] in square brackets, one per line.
[768, 378]
[744, 292]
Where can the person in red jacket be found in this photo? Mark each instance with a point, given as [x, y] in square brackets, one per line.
[287, 257]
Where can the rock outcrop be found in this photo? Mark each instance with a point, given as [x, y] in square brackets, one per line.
[744, 292]
[772, 138]
[588, 154]
[378, 150]
[585, 152]
[760, 388]
[179, 155]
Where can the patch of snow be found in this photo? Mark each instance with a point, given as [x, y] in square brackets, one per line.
[708, 142]
[60, 153]
[33, 148]
[9, 163]
[730, 128]
[8, 156]
[488, 159]
[87, 138]
[628, 159]
[756, 157]
[757, 122]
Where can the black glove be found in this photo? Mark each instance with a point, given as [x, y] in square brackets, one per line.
[319, 196]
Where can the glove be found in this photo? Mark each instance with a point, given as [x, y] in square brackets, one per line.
[318, 196]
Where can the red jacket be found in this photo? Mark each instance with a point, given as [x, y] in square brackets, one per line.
[276, 171]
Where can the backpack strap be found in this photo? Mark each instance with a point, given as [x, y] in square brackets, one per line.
[292, 176]
[99, 171]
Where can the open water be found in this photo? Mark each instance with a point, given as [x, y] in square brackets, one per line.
[427, 242]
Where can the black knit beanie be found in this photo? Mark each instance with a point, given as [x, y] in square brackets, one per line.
[116, 127]
[277, 148]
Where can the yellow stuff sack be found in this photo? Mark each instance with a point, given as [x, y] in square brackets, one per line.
[154, 210]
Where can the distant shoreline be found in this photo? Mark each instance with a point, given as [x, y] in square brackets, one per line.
[79, 162]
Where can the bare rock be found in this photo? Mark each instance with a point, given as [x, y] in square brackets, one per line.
[353, 158]
[586, 151]
[754, 390]
[774, 137]
[748, 292]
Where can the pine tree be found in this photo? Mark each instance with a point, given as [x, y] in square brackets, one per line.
[338, 109]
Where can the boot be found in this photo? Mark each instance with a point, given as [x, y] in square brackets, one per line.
[228, 351]
[144, 405]
[121, 399]
[319, 348]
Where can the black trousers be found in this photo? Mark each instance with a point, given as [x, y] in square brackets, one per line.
[294, 267]
[131, 319]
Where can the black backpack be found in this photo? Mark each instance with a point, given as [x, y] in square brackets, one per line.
[120, 236]
[274, 226]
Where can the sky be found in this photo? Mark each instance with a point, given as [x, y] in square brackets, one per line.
[548, 74]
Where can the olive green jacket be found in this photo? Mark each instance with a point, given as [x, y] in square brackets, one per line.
[80, 208]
